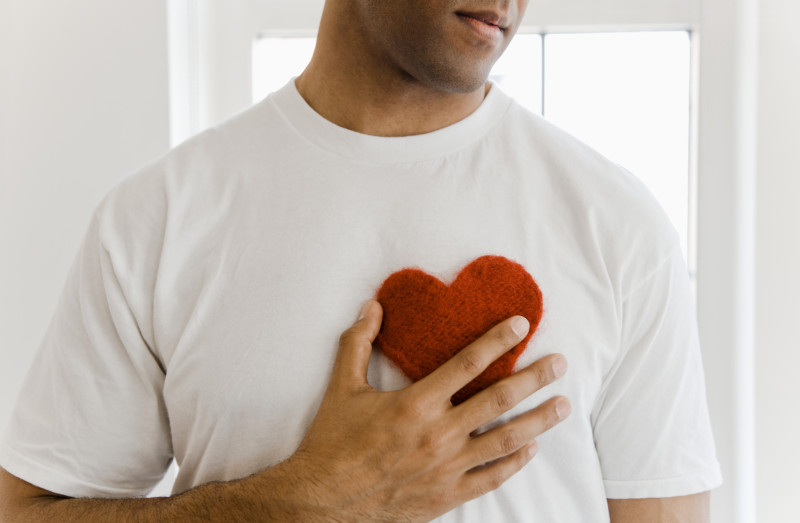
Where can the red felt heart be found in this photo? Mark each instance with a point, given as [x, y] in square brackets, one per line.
[426, 322]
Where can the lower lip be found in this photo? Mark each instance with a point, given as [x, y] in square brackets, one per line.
[484, 30]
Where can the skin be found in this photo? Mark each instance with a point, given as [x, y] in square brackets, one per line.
[386, 68]
[680, 509]
[411, 66]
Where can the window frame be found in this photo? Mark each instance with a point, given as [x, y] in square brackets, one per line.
[210, 45]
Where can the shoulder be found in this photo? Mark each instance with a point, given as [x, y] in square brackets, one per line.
[597, 202]
[193, 174]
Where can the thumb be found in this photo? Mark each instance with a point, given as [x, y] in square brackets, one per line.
[355, 347]
[371, 315]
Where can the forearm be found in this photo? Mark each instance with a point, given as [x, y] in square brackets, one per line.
[693, 508]
[271, 495]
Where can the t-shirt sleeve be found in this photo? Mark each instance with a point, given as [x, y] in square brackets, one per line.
[90, 420]
[652, 430]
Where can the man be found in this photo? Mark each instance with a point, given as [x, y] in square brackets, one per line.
[198, 319]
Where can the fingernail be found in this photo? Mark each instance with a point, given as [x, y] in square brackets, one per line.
[563, 408]
[559, 367]
[520, 326]
[364, 309]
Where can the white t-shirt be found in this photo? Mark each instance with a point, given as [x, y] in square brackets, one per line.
[202, 315]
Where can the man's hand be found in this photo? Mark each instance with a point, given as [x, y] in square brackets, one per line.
[407, 455]
[410, 454]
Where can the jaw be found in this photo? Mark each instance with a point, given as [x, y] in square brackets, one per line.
[393, 78]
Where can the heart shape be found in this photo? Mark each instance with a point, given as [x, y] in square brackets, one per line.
[426, 322]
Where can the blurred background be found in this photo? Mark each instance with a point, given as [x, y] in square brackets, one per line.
[696, 97]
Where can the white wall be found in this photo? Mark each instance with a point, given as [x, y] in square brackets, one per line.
[778, 266]
[84, 103]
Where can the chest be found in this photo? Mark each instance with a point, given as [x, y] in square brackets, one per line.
[250, 320]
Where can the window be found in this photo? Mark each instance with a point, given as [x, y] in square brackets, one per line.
[276, 60]
[518, 71]
[628, 95]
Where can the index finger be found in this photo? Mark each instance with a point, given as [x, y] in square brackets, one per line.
[472, 360]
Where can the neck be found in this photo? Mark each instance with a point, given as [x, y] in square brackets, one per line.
[363, 94]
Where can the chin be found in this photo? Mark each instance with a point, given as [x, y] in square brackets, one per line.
[466, 88]
[461, 82]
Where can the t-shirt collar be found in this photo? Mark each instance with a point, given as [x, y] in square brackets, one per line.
[344, 142]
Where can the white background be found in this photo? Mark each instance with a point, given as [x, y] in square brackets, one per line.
[84, 101]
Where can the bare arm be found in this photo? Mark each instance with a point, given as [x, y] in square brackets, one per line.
[368, 455]
[679, 509]
[264, 496]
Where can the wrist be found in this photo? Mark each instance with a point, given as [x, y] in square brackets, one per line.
[291, 491]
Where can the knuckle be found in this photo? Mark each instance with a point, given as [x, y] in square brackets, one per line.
[509, 441]
[445, 498]
[495, 480]
[411, 409]
[471, 363]
[545, 417]
[348, 337]
[503, 397]
[432, 442]
[481, 489]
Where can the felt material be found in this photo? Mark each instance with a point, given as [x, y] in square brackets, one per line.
[426, 322]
